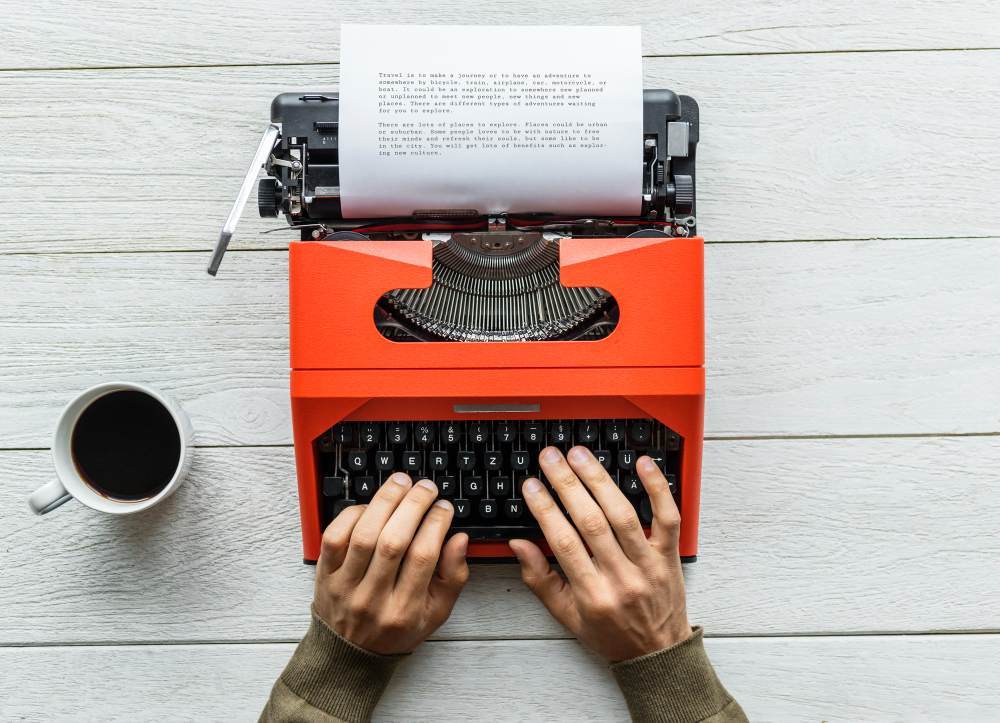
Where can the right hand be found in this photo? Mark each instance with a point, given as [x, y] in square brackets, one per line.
[376, 582]
[628, 599]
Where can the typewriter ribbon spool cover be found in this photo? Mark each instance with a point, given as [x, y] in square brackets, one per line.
[455, 344]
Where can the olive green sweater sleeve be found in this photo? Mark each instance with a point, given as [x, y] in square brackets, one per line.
[329, 680]
[676, 685]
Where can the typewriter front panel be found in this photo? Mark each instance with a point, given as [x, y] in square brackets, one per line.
[478, 436]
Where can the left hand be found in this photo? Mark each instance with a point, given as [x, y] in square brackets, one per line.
[378, 580]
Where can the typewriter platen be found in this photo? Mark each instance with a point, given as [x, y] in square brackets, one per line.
[456, 346]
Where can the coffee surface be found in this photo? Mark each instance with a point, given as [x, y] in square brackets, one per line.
[126, 446]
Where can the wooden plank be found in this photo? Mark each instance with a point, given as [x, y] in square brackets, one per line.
[883, 678]
[130, 33]
[797, 536]
[887, 337]
[828, 146]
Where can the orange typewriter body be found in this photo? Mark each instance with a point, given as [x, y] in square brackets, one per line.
[344, 369]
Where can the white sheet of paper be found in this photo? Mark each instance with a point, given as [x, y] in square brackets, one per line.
[496, 119]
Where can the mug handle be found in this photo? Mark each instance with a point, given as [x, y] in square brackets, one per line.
[47, 497]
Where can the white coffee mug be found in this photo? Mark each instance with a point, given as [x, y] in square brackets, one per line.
[69, 483]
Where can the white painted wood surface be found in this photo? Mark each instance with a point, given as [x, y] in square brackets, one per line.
[833, 679]
[871, 337]
[826, 146]
[185, 32]
[796, 537]
[811, 133]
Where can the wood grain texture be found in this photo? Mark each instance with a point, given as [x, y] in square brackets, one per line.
[884, 337]
[134, 32]
[904, 679]
[827, 146]
[797, 537]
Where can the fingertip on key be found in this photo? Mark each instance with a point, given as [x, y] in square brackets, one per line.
[647, 464]
[578, 455]
[550, 455]
[401, 479]
[531, 486]
[427, 484]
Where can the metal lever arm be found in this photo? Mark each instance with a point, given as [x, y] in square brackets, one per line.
[263, 151]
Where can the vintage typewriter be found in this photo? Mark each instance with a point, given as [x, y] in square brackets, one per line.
[455, 346]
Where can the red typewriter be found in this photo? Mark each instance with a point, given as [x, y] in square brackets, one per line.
[457, 346]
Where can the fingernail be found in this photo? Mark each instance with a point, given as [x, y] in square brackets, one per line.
[647, 464]
[401, 479]
[532, 486]
[578, 455]
[517, 552]
[426, 483]
[551, 455]
[443, 504]
[464, 547]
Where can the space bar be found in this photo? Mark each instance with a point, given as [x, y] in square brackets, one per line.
[498, 532]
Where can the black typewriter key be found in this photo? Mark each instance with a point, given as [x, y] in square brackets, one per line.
[450, 433]
[343, 432]
[466, 461]
[462, 508]
[411, 460]
[519, 460]
[398, 433]
[357, 460]
[488, 509]
[626, 459]
[614, 432]
[631, 485]
[506, 432]
[604, 457]
[439, 461]
[424, 433]
[560, 432]
[493, 460]
[641, 432]
[384, 460]
[587, 432]
[533, 432]
[364, 486]
[446, 485]
[369, 433]
[672, 481]
[513, 508]
[499, 486]
[478, 432]
[646, 511]
[341, 505]
[473, 486]
[333, 486]
[658, 458]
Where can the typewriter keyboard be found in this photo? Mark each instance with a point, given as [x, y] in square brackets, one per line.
[480, 465]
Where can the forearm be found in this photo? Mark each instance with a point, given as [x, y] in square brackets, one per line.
[329, 680]
[676, 685]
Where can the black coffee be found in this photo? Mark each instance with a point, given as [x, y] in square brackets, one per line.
[126, 446]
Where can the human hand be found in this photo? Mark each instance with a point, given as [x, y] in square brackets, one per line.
[628, 599]
[376, 583]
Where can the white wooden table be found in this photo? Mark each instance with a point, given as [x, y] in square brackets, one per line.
[849, 169]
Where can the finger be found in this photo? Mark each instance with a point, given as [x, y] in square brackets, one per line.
[337, 537]
[450, 578]
[586, 513]
[559, 533]
[369, 527]
[555, 594]
[666, 519]
[618, 510]
[398, 533]
[422, 557]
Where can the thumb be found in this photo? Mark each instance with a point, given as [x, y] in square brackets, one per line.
[547, 585]
[451, 576]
